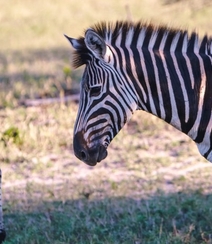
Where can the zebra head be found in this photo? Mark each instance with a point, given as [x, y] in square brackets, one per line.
[106, 101]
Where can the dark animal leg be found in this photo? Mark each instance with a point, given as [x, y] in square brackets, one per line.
[2, 231]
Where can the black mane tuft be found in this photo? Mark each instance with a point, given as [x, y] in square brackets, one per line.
[110, 31]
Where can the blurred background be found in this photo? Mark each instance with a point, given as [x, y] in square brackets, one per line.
[154, 187]
[35, 25]
[35, 57]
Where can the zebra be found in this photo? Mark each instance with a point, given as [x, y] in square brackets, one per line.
[2, 231]
[133, 66]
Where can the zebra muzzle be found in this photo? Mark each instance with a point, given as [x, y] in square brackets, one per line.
[90, 156]
[93, 155]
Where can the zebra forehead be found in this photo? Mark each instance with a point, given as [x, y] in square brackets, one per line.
[130, 31]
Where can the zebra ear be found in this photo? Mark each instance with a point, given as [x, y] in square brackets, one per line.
[95, 43]
[76, 44]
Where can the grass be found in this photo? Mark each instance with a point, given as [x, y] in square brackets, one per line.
[117, 220]
[154, 187]
[35, 25]
[152, 194]
[35, 56]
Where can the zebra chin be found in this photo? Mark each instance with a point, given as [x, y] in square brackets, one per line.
[90, 156]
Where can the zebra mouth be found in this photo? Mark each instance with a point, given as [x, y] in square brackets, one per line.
[95, 155]
[92, 156]
[102, 153]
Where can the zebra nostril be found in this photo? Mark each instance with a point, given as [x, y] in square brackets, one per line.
[83, 155]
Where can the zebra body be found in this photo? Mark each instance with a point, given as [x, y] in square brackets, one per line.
[128, 67]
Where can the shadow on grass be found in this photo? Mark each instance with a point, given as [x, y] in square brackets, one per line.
[173, 218]
[36, 74]
[21, 61]
[31, 55]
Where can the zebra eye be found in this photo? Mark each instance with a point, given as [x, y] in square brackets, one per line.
[95, 91]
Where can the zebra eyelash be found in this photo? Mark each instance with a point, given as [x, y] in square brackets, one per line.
[95, 91]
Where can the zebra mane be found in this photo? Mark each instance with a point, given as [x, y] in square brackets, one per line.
[111, 31]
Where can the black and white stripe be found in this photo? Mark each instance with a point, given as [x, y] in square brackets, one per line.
[163, 71]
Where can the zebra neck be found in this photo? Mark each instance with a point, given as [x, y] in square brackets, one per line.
[178, 89]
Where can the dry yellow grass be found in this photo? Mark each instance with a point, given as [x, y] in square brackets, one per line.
[41, 24]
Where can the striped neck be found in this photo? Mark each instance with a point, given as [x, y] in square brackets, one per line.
[170, 70]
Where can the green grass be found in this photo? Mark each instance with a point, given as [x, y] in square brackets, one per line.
[171, 218]
[153, 188]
